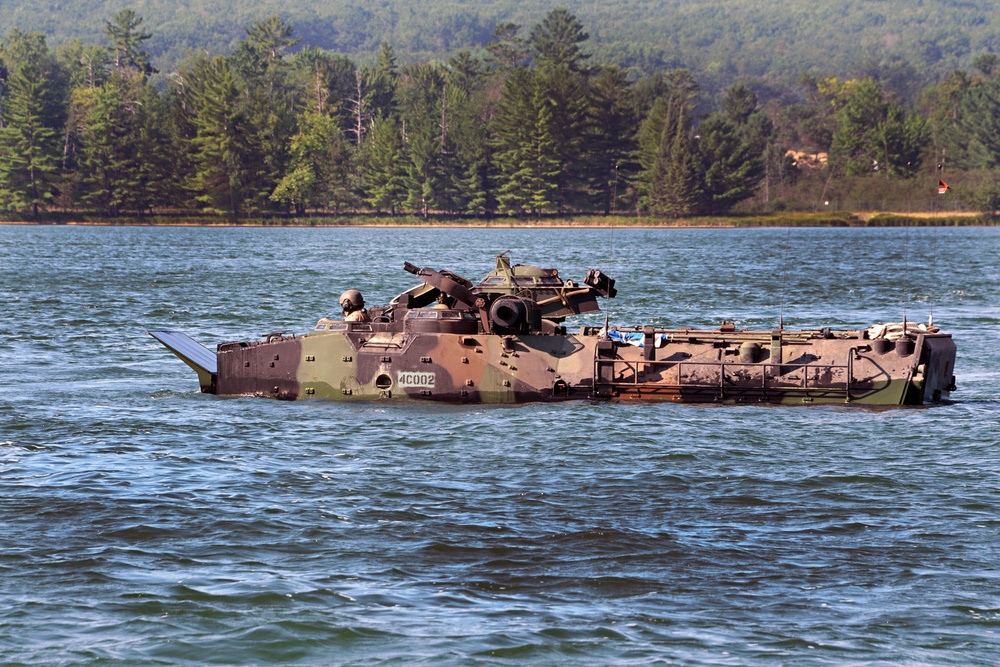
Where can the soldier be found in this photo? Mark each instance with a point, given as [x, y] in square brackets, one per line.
[354, 306]
[444, 302]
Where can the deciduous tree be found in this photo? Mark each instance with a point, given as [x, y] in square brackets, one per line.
[876, 135]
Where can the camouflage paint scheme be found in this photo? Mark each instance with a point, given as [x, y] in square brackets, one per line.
[503, 341]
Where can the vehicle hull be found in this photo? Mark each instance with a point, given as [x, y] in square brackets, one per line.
[503, 340]
[372, 361]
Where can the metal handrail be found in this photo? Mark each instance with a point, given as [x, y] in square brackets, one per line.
[721, 366]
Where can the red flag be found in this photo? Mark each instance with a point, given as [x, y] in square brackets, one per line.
[942, 187]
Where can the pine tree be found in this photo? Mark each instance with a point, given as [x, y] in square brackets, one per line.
[556, 40]
[545, 167]
[563, 92]
[420, 92]
[361, 112]
[466, 154]
[382, 82]
[973, 140]
[609, 146]
[452, 159]
[943, 103]
[668, 181]
[386, 167]
[324, 83]
[118, 164]
[29, 119]
[159, 181]
[739, 104]
[28, 158]
[730, 150]
[259, 58]
[87, 67]
[265, 108]
[127, 39]
[421, 179]
[731, 168]
[513, 132]
[217, 147]
[507, 51]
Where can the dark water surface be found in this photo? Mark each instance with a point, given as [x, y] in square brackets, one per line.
[142, 522]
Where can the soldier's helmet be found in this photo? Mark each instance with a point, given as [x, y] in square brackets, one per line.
[352, 300]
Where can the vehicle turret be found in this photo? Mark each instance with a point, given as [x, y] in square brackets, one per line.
[512, 298]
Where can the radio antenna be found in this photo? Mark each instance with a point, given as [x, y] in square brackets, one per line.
[930, 316]
[784, 276]
[611, 259]
[906, 267]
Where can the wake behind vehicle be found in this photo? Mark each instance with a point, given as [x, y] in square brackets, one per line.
[505, 340]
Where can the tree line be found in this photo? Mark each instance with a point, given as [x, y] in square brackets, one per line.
[531, 127]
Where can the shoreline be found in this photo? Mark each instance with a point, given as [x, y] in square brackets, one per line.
[880, 219]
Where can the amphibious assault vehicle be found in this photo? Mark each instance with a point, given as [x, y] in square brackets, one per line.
[505, 340]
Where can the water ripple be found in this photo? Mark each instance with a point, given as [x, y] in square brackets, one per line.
[145, 523]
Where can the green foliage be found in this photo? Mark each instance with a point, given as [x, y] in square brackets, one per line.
[524, 141]
[877, 135]
[382, 81]
[902, 42]
[127, 38]
[386, 167]
[669, 180]
[508, 51]
[534, 126]
[29, 118]
[985, 196]
[562, 96]
[609, 142]
[466, 149]
[730, 168]
[556, 40]
[108, 159]
[218, 147]
[973, 135]
[319, 174]
[731, 150]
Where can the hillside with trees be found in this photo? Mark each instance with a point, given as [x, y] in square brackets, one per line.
[905, 43]
[536, 122]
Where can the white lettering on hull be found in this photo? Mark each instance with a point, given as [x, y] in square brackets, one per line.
[411, 379]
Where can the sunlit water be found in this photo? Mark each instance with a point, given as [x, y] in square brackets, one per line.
[142, 522]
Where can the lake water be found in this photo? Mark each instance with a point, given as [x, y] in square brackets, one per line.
[142, 522]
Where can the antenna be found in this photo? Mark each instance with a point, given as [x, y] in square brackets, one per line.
[784, 273]
[942, 189]
[906, 267]
[611, 247]
[930, 315]
[611, 257]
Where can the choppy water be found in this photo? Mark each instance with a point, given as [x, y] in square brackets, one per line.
[144, 523]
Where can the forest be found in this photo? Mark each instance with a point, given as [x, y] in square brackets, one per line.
[535, 122]
[908, 43]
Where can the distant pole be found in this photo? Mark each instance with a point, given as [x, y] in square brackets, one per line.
[767, 178]
[614, 197]
[906, 270]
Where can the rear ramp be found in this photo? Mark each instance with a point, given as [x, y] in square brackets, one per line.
[194, 354]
